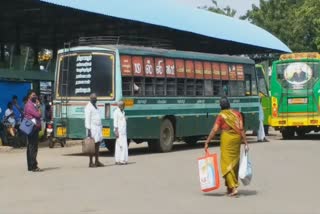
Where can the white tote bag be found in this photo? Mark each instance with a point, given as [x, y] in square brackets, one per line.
[245, 169]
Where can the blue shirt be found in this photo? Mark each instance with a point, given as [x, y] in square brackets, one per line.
[17, 114]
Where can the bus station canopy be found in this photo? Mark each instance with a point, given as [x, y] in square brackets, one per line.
[50, 23]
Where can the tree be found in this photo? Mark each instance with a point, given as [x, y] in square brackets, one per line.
[227, 11]
[295, 22]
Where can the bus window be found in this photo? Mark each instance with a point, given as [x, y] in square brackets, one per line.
[236, 88]
[297, 75]
[190, 87]
[127, 86]
[208, 88]
[88, 72]
[251, 81]
[216, 88]
[181, 87]
[149, 87]
[262, 81]
[199, 87]
[138, 86]
[160, 87]
[171, 87]
[225, 88]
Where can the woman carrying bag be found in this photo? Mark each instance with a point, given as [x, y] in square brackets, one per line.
[32, 113]
[230, 123]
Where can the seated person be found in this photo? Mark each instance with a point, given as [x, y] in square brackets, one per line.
[9, 119]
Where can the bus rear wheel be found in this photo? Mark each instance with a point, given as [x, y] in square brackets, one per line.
[165, 142]
[287, 133]
[301, 133]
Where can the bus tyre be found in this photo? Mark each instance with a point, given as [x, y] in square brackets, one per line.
[110, 144]
[287, 133]
[301, 133]
[165, 143]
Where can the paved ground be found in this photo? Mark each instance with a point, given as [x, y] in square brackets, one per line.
[286, 180]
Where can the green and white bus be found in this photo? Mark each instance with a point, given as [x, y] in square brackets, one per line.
[295, 89]
[169, 95]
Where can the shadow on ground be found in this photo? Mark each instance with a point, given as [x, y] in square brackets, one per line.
[240, 194]
[179, 147]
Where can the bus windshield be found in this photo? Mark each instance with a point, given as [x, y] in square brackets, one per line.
[297, 75]
[262, 82]
[80, 74]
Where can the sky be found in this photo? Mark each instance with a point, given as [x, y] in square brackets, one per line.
[241, 6]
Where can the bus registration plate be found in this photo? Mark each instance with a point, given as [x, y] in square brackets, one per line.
[106, 132]
[61, 131]
[298, 101]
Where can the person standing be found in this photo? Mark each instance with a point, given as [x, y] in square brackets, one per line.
[120, 130]
[261, 134]
[32, 112]
[230, 122]
[93, 125]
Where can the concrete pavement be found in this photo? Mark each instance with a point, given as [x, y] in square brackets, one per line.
[285, 180]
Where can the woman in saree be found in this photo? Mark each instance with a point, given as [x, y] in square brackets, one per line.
[230, 123]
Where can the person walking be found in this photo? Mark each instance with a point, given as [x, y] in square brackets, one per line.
[261, 134]
[120, 130]
[230, 122]
[32, 112]
[93, 125]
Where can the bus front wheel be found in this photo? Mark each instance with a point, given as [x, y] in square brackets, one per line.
[287, 133]
[165, 142]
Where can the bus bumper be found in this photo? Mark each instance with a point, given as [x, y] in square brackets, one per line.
[296, 121]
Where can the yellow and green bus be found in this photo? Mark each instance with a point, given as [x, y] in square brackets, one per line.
[169, 95]
[295, 95]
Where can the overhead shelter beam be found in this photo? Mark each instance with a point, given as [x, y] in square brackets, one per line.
[57, 21]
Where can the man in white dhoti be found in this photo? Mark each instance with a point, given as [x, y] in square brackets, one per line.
[94, 128]
[120, 130]
[261, 134]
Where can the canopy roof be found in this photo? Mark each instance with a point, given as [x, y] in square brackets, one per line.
[49, 23]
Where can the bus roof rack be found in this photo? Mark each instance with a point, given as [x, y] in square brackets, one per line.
[123, 40]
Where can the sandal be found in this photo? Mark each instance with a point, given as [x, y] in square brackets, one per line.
[234, 193]
[36, 170]
[99, 164]
[91, 165]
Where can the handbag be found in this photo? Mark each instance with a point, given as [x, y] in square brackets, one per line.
[88, 146]
[209, 172]
[245, 169]
[27, 126]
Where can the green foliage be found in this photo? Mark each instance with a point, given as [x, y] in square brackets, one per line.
[227, 11]
[295, 22]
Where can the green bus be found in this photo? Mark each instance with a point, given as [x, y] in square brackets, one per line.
[169, 95]
[295, 94]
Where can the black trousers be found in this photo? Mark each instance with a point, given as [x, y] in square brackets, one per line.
[32, 150]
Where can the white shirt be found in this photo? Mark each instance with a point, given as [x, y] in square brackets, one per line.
[119, 121]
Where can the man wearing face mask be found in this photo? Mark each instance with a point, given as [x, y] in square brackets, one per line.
[94, 128]
[32, 112]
